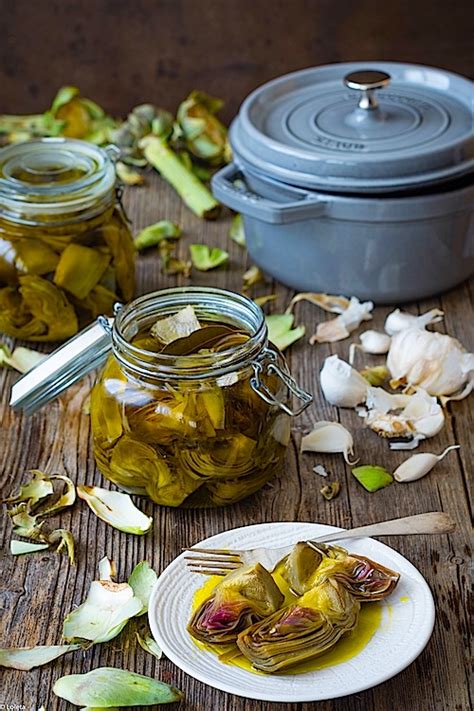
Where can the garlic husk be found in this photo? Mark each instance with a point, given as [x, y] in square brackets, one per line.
[320, 470]
[400, 320]
[424, 412]
[382, 401]
[348, 320]
[341, 384]
[421, 414]
[418, 465]
[328, 302]
[411, 444]
[375, 342]
[331, 438]
[434, 361]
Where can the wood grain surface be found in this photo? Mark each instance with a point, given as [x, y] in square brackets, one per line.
[37, 591]
[124, 52]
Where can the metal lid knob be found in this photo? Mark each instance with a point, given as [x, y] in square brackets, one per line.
[367, 81]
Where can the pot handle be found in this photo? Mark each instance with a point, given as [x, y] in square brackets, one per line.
[243, 200]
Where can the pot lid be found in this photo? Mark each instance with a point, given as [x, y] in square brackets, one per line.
[359, 126]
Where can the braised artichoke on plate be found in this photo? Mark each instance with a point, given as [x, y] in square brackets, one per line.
[244, 597]
[301, 631]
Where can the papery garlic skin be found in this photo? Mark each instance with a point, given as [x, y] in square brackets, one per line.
[375, 342]
[434, 361]
[341, 384]
[424, 412]
[418, 465]
[398, 320]
[340, 327]
[382, 401]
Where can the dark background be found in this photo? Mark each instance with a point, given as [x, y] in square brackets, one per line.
[125, 52]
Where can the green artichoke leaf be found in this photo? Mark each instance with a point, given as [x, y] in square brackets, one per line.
[107, 687]
[281, 332]
[141, 580]
[26, 658]
[116, 509]
[205, 258]
[243, 597]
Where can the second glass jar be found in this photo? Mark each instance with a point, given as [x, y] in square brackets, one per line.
[200, 430]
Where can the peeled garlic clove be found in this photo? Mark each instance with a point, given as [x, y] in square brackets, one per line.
[329, 437]
[341, 384]
[400, 320]
[433, 361]
[375, 342]
[418, 465]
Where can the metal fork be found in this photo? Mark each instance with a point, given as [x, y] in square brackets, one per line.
[221, 561]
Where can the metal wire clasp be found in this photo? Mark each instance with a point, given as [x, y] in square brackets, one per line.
[269, 363]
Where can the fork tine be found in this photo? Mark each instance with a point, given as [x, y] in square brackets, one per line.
[213, 551]
[197, 563]
[203, 571]
[214, 558]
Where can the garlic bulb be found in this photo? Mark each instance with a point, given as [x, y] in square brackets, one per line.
[341, 384]
[400, 320]
[329, 437]
[418, 465]
[434, 361]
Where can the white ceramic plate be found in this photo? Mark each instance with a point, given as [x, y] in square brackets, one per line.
[407, 623]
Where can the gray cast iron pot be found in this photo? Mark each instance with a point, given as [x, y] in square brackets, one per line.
[387, 249]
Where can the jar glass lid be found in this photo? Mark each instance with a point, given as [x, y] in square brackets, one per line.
[53, 177]
[371, 126]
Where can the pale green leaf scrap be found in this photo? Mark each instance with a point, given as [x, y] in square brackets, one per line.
[26, 658]
[280, 331]
[116, 509]
[205, 258]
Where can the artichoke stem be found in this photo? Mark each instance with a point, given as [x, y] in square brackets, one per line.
[191, 190]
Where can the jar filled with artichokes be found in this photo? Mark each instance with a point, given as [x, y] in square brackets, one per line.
[193, 407]
[66, 251]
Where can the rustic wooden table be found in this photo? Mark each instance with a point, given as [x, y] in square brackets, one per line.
[37, 591]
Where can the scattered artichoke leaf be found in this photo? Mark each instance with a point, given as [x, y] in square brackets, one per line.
[418, 465]
[265, 299]
[127, 175]
[205, 258]
[341, 384]
[179, 325]
[372, 477]
[205, 136]
[170, 264]
[23, 547]
[236, 231]
[66, 499]
[106, 687]
[152, 235]
[330, 490]
[331, 438]
[39, 487]
[280, 331]
[332, 304]
[26, 658]
[116, 509]
[21, 359]
[65, 541]
[251, 277]
[141, 580]
[149, 645]
[26, 525]
[341, 327]
[375, 375]
[105, 611]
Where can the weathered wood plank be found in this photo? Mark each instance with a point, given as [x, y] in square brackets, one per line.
[36, 592]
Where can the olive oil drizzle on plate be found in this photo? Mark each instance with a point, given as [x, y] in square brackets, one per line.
[348, 647]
